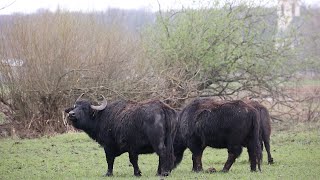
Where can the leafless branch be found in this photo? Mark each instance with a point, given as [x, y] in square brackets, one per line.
[6, 6]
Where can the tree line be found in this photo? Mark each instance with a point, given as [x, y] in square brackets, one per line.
[226, 52]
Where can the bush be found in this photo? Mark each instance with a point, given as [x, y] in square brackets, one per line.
[62, 55]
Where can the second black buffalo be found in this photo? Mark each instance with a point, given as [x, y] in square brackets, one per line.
[231, 125]
[265, 127]
[125, 126]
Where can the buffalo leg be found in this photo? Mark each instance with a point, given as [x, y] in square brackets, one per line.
[252, 156]
[178, 157]
[159, 147]
[179, 148]
[110, 160]
[261, 144]
[267, 146]
[197, 162]
[160, 166]
[197, 150]
[134, 161]
[163, 170]
[233, 153]
[197, 158]
[163, 167]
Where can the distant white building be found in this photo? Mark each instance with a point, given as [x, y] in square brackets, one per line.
[287, 11]
[13, 62]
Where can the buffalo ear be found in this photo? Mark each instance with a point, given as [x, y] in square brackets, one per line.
[68, 110]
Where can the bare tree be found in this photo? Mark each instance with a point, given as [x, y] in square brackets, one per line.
[5, 6]
[65, 54]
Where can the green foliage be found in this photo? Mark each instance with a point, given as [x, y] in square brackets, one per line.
[222, 45]
[75, 156]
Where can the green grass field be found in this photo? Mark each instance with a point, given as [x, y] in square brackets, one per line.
[75, 156]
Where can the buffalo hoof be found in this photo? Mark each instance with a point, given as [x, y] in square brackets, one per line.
[211, 170]
[137, 174]
[224, 170]
[109, 174]
[165, 174]
[270, 161]
[197, 170]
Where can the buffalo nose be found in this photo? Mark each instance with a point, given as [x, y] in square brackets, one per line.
[72, 113]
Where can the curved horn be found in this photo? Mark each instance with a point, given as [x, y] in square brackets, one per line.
[80, 97]
[102, 106]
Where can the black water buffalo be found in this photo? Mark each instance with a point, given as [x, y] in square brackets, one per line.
[125, 126]
[265, 127]
[231, 125]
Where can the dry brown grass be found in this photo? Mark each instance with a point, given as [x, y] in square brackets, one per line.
[301, 104]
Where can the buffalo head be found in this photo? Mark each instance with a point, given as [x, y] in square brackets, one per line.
[82, 112]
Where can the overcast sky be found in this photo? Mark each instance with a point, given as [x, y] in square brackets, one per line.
[29, 6]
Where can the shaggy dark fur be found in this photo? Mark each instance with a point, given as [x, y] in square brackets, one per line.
[125, 126]
[265, 127]
[230, 125]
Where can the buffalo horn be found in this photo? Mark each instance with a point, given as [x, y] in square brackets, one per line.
[102, 106]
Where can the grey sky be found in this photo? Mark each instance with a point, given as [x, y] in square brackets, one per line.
[29, 6]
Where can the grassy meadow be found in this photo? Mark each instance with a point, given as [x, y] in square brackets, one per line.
[76, 156]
